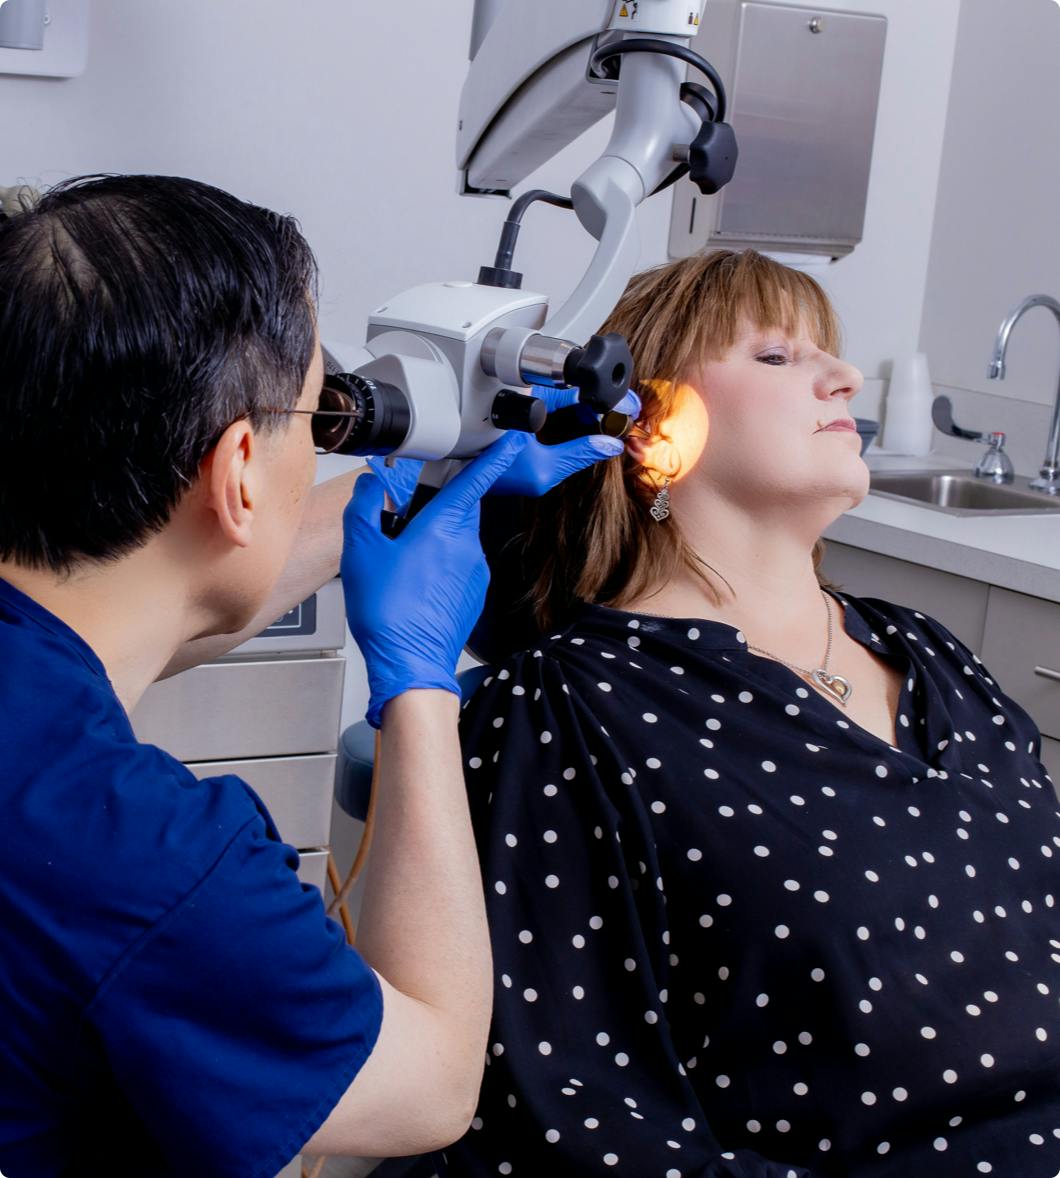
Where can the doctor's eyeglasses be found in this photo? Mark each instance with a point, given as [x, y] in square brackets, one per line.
[335, 418]
[357, 415]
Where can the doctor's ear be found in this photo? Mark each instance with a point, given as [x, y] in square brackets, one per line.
[230, 482]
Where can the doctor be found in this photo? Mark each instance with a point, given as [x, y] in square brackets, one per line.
[173, 1002]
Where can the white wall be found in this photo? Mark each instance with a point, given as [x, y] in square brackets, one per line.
[879, 289]
[997, 224]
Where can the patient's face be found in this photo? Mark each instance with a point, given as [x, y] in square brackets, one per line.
[777, 405]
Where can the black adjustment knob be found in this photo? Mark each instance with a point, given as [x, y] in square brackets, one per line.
[518, 411]
[602, 370]
[712, 157]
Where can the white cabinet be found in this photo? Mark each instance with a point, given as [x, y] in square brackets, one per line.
[1016, 636]
[1021, 646]
[958, 603]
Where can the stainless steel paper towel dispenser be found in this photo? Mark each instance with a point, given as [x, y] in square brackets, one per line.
[804, 87]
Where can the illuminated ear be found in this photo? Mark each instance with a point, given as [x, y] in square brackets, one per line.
[229, 482]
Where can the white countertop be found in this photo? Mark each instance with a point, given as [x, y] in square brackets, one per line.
[1018, 552]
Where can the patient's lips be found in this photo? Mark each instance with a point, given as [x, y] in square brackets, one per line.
[841, 424]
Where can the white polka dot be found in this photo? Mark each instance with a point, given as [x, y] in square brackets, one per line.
[550, 836]
[800, 1089]
[578, 992]
[545, 1048]
[769, 766]
[695, 854]
[504, 1168]
[817, 974]
[551, 1136]
[551, 881]
[868, 1098]
[610, 1159]
[928, 1032]
[791, 885]
[900, 1094]
[745, 697]
[950, 1076]
[821, 897]
[578, 941]
[805, 1038]
[861, 1049]
[781, 932]
[941, 1144]
[723, 901]
[650, 718]
[762, 852]
[526, 936]
[530, 995]
[987, 1060]
[596, 922]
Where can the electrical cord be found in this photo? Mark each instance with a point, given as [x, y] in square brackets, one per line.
[604, 62]
[514, 221]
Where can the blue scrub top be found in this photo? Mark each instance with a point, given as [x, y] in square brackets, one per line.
[173, 1000]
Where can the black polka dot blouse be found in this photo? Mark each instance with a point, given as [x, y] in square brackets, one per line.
[736, 934]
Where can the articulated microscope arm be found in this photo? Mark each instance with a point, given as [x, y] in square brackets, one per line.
[450, 362]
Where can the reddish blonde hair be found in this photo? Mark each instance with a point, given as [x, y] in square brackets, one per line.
[593, 538]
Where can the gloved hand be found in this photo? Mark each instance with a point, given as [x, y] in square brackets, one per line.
[536, 470]
[411, 602]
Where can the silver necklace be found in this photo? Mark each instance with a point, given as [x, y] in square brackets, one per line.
[836, 686]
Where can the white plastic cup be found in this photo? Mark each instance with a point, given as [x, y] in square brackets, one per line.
[907, 425]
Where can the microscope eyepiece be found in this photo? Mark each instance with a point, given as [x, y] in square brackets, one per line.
[358, 415]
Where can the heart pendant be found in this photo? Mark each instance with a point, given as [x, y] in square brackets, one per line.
[660, 513]
[836, 686]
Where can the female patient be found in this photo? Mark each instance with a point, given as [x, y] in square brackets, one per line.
[771, 869]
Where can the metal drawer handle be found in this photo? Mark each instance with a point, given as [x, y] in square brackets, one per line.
[1046, 673]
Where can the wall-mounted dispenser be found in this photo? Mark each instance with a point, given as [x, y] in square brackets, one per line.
[22, 24]
[44, 38]
[804, 85]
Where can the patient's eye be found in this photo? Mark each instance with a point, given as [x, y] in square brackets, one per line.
[775, 358]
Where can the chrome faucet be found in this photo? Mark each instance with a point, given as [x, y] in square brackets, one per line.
[1048, 480]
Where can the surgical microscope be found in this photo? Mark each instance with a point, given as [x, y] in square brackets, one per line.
[449, 366]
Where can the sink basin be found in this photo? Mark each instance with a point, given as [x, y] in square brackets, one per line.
[962, 494]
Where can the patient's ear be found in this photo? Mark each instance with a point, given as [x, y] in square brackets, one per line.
[658, 454]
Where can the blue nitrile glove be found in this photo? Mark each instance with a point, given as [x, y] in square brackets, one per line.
[411, 602]
[537, 469]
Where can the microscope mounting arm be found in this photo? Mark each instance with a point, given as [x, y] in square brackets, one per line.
[540, 75]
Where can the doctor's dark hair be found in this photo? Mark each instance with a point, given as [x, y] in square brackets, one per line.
[140, 316]
[593, 538]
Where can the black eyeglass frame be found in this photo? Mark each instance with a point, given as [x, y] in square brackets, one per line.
[317, 415]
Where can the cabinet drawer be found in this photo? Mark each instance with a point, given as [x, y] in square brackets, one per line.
[241, 710]
[1021, 648]
[959, 604]
[1051, 760]
[296, 790]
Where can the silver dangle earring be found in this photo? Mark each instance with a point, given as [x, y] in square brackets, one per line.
[660, 509]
